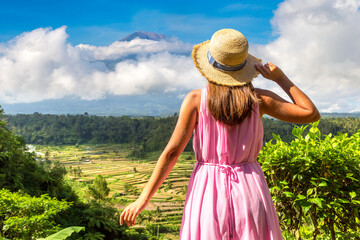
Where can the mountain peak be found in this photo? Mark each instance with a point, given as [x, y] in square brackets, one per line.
[145, 35]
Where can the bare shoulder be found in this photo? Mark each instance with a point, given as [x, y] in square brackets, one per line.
[191, 105]
[193, 99]
[265, 97]
[272, 104]
[194, 94]
[262, 93]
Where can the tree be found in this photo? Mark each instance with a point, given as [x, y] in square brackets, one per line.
[99, 189]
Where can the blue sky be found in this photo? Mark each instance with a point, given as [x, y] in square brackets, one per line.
[103, 22]
[56, 50]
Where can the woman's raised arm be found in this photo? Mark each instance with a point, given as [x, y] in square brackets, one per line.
[184, 128]
[301, 110]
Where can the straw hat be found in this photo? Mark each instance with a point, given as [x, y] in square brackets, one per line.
[224, 59]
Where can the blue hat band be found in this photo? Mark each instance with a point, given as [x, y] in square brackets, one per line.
[224, 67]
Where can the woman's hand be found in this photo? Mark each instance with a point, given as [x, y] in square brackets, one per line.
[301, 110]
[270, 71]
[132, 211]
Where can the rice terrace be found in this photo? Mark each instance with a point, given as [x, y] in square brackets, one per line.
[126, 176]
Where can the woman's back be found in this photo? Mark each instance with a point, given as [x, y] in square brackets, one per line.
[219, 143]
[227, 193]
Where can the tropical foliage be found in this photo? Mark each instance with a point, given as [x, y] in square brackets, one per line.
[314, 181]
[26, 217]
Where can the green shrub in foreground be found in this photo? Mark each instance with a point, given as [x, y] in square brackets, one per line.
[314, 180]
[26, 217]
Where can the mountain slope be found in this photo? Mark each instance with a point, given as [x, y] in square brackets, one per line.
[144, 35]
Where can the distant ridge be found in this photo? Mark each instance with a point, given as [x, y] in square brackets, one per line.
[336, 114]
[144, 35]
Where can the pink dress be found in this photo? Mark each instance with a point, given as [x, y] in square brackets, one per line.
[227, 196]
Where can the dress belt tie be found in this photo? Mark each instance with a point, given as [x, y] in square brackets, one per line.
[228, 169]
[231, 176]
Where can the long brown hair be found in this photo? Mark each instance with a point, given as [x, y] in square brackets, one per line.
[231, 105]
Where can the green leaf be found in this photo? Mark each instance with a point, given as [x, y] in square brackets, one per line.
[335, 204]
[276, 137]
[313, 183]
[284, 183]
[306, 208]
[315, 124]
[275, 188]
[317, 201]
[288, 194]
[309, 191]
[354, 179]
[352, 194]
[297, 131]
[323, 184]
[63, 234]
[300, 197]
[341, 200]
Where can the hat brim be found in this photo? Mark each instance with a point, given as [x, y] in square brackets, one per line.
[226, 78]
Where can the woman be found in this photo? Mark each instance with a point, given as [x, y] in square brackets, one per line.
[227, 197]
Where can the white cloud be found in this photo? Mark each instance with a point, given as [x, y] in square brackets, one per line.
[317, 47]
[120, 49]
[41, 65]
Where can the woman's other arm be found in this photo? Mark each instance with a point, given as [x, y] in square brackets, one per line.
[180, 137]
[301, 110]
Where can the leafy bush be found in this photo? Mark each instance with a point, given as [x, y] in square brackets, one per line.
[25, 217]
[314, 180]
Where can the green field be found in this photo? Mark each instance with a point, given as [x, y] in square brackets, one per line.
[126, 177]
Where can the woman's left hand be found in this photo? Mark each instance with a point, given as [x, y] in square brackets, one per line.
[132, 211]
